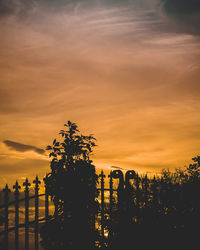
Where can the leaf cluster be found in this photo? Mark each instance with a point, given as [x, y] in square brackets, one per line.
[72, 180]
[73, 147]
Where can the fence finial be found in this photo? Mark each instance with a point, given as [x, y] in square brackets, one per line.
[26, 183]
[36, 181]
[102, 174]
[6, 189]
[16, 187]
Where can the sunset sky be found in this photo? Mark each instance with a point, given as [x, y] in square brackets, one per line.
[127, 71]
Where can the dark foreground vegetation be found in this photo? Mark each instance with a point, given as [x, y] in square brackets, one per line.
[154, 212]
[159, 212]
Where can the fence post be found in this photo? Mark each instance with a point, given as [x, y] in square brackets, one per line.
[102, 204]
[137, 196]
[36, 182]
[145, 190]
[26, 184]
[129, 195]
[128, 187]
[111, 207]
[6, 191]
[16, 187]
[117, 174]
[46, 204]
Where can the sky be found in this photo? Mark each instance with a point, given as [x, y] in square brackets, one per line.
[127, 71]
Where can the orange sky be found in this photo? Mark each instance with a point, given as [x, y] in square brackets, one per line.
[126, 71]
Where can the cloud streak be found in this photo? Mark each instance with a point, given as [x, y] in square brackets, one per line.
[23, 147]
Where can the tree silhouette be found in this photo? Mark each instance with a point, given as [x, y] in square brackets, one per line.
[72, 185]
[193, 170]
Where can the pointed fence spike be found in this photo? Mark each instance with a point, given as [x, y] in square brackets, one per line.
[102, 174]
[102, 207]
[6, 191]
[111, 199]
[16, 187]
[36, 182]
[26, 184]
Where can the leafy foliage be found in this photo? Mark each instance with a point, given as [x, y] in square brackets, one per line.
[72, 183]
[165, 205]
[193, 170]
[71, 165]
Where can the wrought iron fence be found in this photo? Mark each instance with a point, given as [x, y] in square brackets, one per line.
[109, 197]
[6, 229]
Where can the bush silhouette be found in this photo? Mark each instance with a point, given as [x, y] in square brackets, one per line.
[72, 185]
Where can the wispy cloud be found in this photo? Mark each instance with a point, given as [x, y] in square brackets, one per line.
[117, 68]
[22, 147]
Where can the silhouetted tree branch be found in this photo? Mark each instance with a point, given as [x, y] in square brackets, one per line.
[72, 185]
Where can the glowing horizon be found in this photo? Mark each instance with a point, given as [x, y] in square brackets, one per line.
[126, 71]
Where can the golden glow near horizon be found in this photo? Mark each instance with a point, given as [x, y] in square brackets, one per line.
[126, 72]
